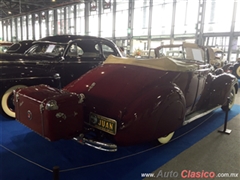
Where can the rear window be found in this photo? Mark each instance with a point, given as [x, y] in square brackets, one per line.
[14, 47]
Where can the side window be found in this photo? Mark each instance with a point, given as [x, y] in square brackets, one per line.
[74, 51]
[38, 49]
[107, 50]
[91, 50]
[32, 49]
[14, 47]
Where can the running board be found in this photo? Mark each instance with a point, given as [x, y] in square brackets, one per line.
[199, 115]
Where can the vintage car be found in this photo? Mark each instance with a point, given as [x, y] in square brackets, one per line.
[234, 68]
[215, 57]
[69, 56]
[127, 101]
[20, 47]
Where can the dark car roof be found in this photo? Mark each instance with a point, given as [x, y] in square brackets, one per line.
[67, 38]
[20, 47]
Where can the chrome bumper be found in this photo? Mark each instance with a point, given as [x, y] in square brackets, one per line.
[96, 144]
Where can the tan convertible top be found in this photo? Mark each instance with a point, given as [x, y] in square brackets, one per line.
[164, 63]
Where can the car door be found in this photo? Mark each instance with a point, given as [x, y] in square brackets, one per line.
[195, 55]
[202, 74]
[80, 57]
[188, 83]
[44, 55]
[192, 85]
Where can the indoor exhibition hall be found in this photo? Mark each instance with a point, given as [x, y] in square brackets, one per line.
[119, 89]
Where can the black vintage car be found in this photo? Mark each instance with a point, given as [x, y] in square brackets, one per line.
[55, 60]
[235, 68]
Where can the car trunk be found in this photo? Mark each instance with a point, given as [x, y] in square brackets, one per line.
[110, 89]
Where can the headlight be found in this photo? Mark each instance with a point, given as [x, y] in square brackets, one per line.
[51, 105]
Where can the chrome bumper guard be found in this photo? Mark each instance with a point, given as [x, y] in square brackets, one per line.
[96, 144]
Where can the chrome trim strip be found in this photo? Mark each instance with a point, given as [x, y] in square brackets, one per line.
[200, 115]
[30, 78]
[96, 144]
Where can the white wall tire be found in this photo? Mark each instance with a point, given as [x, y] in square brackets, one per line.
[166, 139]
[5, 98]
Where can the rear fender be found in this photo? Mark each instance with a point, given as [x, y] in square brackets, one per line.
[146, 118]
[220, 88]
[170, 114]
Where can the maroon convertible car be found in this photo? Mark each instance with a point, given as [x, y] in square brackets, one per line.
[128, 101]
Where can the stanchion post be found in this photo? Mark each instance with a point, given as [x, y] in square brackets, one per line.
[55, 173]
[225, 130]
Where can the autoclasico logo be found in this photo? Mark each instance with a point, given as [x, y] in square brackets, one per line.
[187, 174]
[197, 174]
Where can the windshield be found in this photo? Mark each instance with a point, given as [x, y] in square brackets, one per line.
[186, 52]
[46, 49]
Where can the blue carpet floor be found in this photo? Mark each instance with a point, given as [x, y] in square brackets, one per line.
[25, 155]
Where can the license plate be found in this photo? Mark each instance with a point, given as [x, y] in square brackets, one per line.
[103, 123]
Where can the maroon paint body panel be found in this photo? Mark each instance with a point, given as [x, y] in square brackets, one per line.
[53, 123]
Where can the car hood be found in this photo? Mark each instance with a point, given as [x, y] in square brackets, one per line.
[113, 87]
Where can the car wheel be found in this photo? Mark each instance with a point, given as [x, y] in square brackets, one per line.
[232, 96]
[166, 139]
[7, 101]
[236, 71]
